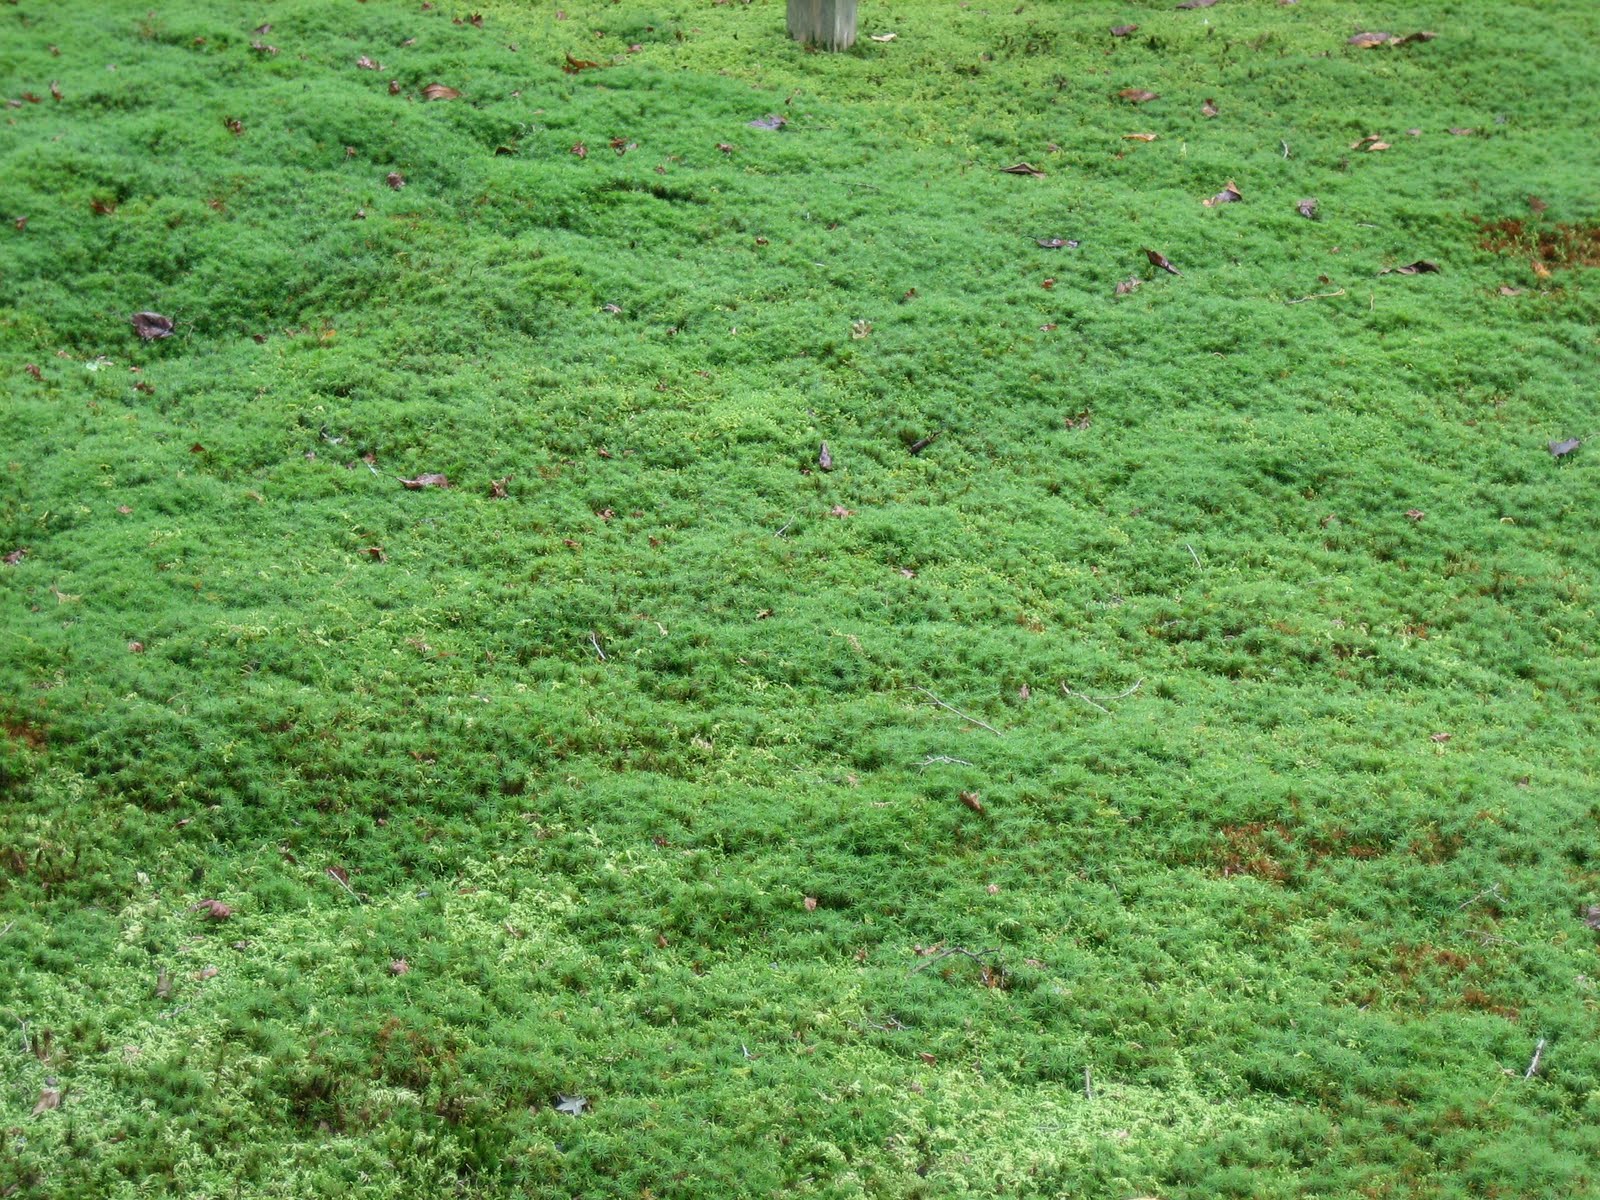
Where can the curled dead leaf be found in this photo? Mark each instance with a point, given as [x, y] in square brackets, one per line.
[1138, 95]
[824, 458]
[1307, 208]
[438, 91]
[152, 326]
[974, 802]
[1416, 514]
[1157, 259]
[399, 966]
[1366, 41]
[1420, 267]
[425, 481]
[49, 1098]
[1228, 195]
[1139, 137]
[1124, 30]
[1563, 448]
[1022, 168]
[580, 150]
[1209, 108]
[1130, 285]
[1441, 738]
[395, 180]
[215, 910]
[573, 65]
[498, 488]
[811, 904]
[366, 64]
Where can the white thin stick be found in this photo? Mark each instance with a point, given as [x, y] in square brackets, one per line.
[329, 873]
[1088, 1083]
[1285, 146]
[595, 642]
[957, 711]
[1538, 1053]
[1194, 556]
[1492, 890]
[785, 529]
[1124, 694]
[7, 929]
[942, 758]
[1085, 699]
[1318, 296]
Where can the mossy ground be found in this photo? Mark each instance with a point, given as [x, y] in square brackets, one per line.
[1302, 942]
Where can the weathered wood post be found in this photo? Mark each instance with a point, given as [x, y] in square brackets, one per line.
[831, 24]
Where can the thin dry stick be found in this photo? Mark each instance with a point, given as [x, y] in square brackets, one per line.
[957, 711]
[593, 641]
[1492, 890]
[975, 956]
[1088, 1083]
[1085, 699]
[785, 529]
[927, 762]
[7, 929]
[329, 873]
[1194, 556]
[1318, 296]
[1538, 1053]
[1285, 146]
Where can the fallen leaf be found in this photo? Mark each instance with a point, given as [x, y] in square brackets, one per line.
[993, 889]
[55, 90]
[1139, 137]
[399, 966]
[840, 511]
[394, 87]
[1366, 41]
[16, 556]
[1138, 95]
[49, 1098]
[1416, 514]
[1228, 195]
[1079, 420]
[571, 1104]
[262, 30]
[1591, 916]
[1197, 3]
[811, 904]
[1209, 108]
[207, 972]
[102, 208]
[1539, 269]
[1130, 285]
[152, 327]
[375, 553]
[883, 37]
[340, 874]
[234, 126]
[21, 223]
[972, 801]
[1158, 259]
[1507, 290]
[725, 147]
[921, 444]
[825, 459]
[1420, 267]
[1124, 30]
[1557, 449]
[1052, 243]
[1307, 208]
[135, 647]
[216, 910]
[770, 121]
[1537, 205]
[426, 481]
[498, 488]
[1422, 35]
[33, 369]
[366, 64]
[622, 146]
[395, 180]
[573, 65]
[1441, 738]
[1022, 168]
[438, 91]
[860, 330]
[1458, 131]
[263, 48]
[163, 985]
[930, 1059]
[1047, 284]
[580, 150]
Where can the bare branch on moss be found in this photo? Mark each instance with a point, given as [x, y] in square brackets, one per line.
[927, 762]
[1538, 1054]
[958, 712]
[976, 956]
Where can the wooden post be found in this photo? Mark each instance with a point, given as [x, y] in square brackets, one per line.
[831, 24]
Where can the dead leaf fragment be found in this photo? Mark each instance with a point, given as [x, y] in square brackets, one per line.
[1564, 448]
[1138, 95]
[1022, 168]
[234, 126]
[163, 985]
[1197, 3]
[1459, 131]
[930, 1059]
[215, 910]
[883, 37]
[1139, 137]
[773, 121]
[207, 972]
[1371, 142]
[438, 91]
[151, 326]
[1441, 738]
[395, 180]
[573, 65]
[1209, 108]
[840, 511]
[1130, 285]
[33, 369]
[1228, 195]
[55, 89]
[824, 458]
[16, 556]
[974, 802]
[135, 647]
[1420, 267]
[49, 1098]
[1124, 30]
[498, 488]
[622, 146]
[399, 966]
[580, 150]
[1366, 41]
[1416, 514]
[426, 481]
[366, 64]
[811, 904]
[1508, 290]
[1307, 208]
[1157, 259]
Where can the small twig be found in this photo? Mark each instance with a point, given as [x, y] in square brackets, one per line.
[975, 956]
[1124, 694]
[7, 929]
[1194, 556]
[1088, 1083]
[957, 711]
[942, 758]
[785, 529]
[354, 895]
[891, 1024]
[595, 642]
[1491, 890]
[1085, 699]
[1285, 146]
[1317, 296]
[1538, 1053]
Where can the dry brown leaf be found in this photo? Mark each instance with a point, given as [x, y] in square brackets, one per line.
[498, 488]
[1138, 95]
[1228, 195]
[1420, 267]
[974, 802]
[1128, 286]
[399, 966]
[1416, 514]
[573, 65]
[151, 326]
[426, 481]
[1366, 41]
[824, 458]
[216, 910]
[1563, 448]
[1459, 131]
[49, 1098]
[1197, 4]
[366, 64]
[1022, 168]
[395, 180]
[1209, 108]
[1508, 290]
[1157, 259]
[1124, 30]
[207, 972]
[1307, 208]
[1441, 738]
[1139, 137]
[438, 91]
[811, 904]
